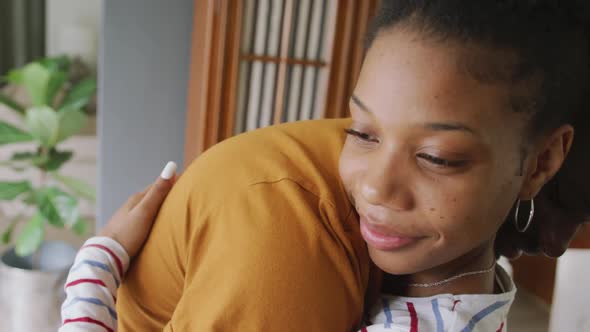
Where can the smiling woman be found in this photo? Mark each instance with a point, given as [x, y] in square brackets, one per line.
[423, 164]
[449, 130]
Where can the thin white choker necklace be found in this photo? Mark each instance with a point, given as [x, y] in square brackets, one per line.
[455, 277]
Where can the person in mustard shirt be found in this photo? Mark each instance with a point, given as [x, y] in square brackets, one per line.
[251, 224]
[457, 124]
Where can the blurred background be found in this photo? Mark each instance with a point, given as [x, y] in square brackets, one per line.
[96, 96]
[37, 29]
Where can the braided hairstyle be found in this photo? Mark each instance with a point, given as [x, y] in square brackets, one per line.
[551, 41]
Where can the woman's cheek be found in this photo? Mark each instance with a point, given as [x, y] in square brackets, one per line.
[344, 167]
[351, 166]
[457, 217]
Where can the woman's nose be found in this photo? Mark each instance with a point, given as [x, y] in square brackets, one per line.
[387, 186]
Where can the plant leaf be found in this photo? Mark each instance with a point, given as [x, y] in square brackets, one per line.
[15, 76]
[80, 94]
[51, 161]
[12, 104]
[57, 159]
[81, 226]
[7, 234]
[54, 85]
[18, 156]
[29, 198]
[31, 157]
[11, 190]
[59, 208]
[22, 160]
[78, 186]
[31, 237]
[35, 78]
[60, 63]
[71, 121]
[43, 124]
[11, 134]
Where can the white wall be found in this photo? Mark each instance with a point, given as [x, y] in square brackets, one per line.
[144, 51]
[143, 77]
[73, 27]
[571, 297]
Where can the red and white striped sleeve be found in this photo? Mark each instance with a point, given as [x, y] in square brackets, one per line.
[91, 286]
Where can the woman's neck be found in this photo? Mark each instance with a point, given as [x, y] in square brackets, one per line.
[480, 259]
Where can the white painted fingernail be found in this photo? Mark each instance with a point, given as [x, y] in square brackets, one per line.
[168, 171]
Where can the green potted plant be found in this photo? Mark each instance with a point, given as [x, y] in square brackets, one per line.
[55, 112]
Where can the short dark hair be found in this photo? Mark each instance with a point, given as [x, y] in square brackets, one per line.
[548, 38]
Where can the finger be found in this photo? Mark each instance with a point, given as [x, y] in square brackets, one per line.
[134, 199]
[153, 199]
[146, 189]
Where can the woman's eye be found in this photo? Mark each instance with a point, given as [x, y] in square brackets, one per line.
[440, 162]
[362, 136]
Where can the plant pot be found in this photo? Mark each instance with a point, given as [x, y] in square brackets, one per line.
[32, 288]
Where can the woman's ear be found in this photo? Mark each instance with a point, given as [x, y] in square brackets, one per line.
[546, 160]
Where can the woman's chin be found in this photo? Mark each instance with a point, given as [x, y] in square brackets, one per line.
[395, 263]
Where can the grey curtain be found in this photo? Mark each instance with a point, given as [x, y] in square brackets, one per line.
[22, 32]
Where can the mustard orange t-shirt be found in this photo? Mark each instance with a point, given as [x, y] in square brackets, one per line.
[257, 235]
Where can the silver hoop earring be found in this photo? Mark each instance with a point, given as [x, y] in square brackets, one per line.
[528, 222]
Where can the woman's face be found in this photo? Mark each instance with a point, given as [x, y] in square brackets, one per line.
[433, 156]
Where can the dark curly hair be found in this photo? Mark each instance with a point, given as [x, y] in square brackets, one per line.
[549, 40]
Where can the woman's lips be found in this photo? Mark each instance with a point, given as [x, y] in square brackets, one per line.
[378, 239]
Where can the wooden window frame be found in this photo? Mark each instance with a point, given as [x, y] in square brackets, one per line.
[215, 61]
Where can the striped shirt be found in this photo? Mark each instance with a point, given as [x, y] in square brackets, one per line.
[91, 286]
[446, 312]
[93, 280]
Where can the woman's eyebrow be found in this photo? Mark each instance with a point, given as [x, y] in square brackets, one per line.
[360, 104]
[449, 126]
[436, 126]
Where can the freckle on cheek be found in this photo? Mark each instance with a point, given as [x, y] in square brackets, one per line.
[432, 209]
